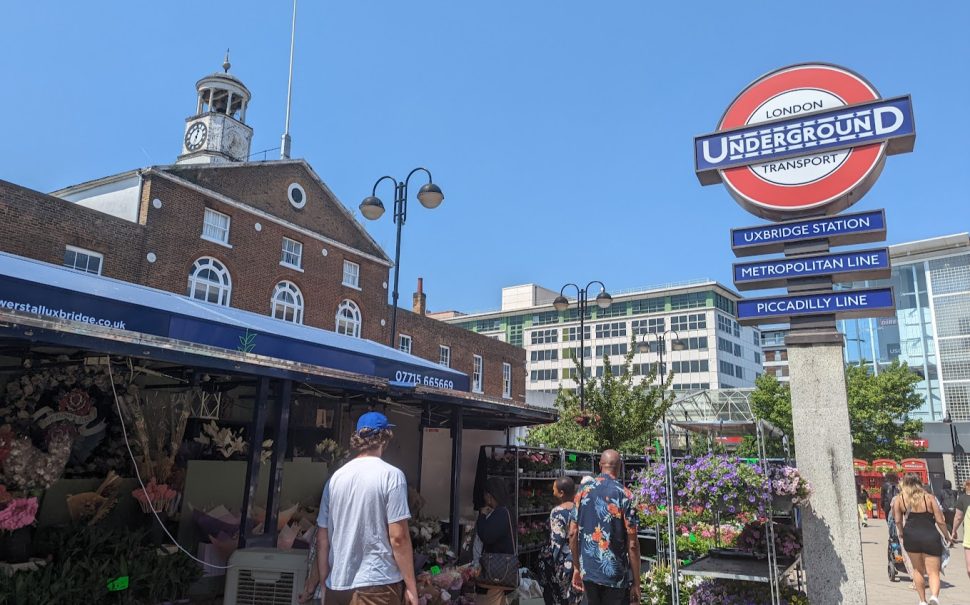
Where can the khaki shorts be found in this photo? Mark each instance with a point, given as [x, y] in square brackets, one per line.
[386, 594]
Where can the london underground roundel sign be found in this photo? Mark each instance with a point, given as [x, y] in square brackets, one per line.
[804, 140]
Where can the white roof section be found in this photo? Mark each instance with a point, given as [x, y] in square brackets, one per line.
[96, 285]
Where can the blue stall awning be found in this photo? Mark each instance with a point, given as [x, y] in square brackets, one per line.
[92, 303]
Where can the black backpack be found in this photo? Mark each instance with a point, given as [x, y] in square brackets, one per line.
[889, 491]
[949, 500]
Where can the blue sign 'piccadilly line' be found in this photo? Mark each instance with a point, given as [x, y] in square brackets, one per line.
[846, 266]
[843, 304]
[855, 228]
[827, 130]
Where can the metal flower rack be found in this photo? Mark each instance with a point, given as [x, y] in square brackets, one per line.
[727, 565]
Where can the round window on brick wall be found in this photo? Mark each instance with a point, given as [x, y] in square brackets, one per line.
[297, 195]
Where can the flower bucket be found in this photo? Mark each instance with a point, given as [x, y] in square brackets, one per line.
[782, 504]
[15, 546]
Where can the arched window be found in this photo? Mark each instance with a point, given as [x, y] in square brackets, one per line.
[210, 281]
[287, 303]
[348, 319]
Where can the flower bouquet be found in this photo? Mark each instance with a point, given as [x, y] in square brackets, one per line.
[155, 496]
[655, 585]
[329, 451]
[16, 517]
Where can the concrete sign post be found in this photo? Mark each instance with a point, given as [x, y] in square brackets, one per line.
[797, 146]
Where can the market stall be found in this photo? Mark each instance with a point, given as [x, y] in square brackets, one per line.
[127, 408]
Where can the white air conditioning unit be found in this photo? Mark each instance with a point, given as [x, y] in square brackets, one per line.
[265, 576]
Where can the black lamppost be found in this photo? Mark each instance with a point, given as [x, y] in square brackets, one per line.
[372, 208]
[661, 340]
[603, 301]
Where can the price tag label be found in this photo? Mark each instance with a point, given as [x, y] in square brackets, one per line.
[435, 570]
[572, 457]
[120, 583]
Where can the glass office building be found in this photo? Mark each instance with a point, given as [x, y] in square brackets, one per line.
[931, 328]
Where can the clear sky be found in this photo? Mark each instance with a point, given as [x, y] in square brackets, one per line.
[559, 131]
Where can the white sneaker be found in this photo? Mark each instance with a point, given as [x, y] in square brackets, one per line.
[934, 601]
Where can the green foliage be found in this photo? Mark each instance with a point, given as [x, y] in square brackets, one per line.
[82, 560]
[619, 414]
[879, 408]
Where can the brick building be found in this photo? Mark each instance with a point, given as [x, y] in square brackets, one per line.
[268, 237]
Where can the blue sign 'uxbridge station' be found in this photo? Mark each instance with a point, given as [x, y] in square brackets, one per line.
[843, 304]
[808, 134]
[846, 266]
[855, 228]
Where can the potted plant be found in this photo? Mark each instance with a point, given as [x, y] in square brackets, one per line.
[788, 487]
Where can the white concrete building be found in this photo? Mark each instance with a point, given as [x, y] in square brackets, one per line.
[711, 350]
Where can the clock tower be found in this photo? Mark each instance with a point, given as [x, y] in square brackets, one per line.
[218, 131]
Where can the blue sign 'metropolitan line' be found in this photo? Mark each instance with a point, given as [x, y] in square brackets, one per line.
[855, 228]
[826, 130]
[845, 303]
[846, 266]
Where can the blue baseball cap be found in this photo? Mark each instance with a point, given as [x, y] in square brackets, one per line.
[373, 421]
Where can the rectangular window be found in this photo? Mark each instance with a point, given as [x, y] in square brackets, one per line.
[617, 349]
[737, 350]
[691, 386]
[571, 334]
[614, 310]
[404, 343]
[543, 336]
[571, 352]
[694, 342]
[726, 367]
[547, 317]
[738, 372]
[573, 373]
[725, 345]
[506, 380]
[644, 369]
[83, 260]
[694, 365]
[611, 330]
[536, 375]
[688, 301]
[724, 304]
[647, 305]
[757, 357]
[444, 356]
[615, 370]
[693, 321]
[573, 315]
[351, 274]
[515, 330]
[653, 325]
[488, 325]
[544, 355]
[726, 325]
[215, 226]
[292, 253]
[477, 374]
[737, 329]
[756, 337]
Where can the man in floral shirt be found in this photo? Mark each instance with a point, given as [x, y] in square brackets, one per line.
[603, 538]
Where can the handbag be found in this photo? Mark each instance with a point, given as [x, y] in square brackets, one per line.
[500, 570]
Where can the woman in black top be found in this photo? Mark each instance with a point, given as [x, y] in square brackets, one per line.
[923, 525]
[494, 529]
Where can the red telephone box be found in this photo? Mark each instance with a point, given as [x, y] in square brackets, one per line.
[880, 467]
[917, 466]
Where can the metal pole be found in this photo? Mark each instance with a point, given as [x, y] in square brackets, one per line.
[257, 428]
[457, 426]
[276, 462]
[582, 349]
[671, 520]
[400, 215]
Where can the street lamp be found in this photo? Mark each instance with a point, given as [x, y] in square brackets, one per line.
[372, 208]
[661, 340]
[603, 301]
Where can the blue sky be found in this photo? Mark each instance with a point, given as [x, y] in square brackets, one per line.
[560, 132]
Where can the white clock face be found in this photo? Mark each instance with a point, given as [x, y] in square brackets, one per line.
[195, 136]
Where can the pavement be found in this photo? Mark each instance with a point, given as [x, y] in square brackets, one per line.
[881, 591]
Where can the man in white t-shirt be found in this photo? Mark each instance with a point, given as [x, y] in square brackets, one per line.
[364, 550]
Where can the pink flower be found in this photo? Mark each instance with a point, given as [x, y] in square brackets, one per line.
[21, 512]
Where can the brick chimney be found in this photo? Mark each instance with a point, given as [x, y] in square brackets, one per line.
[419, 301]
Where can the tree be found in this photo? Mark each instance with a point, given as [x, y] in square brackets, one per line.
[879, 408]
[620, 414]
